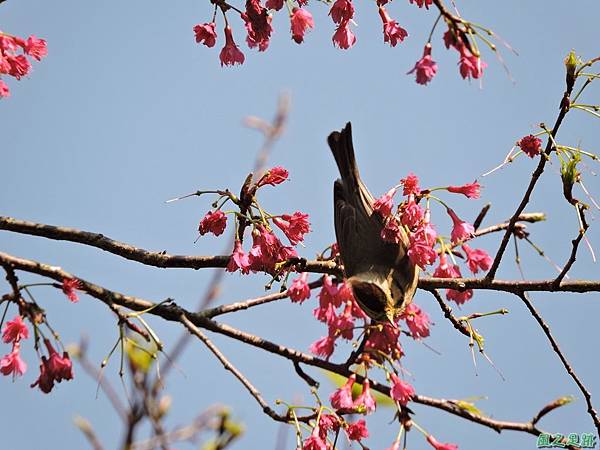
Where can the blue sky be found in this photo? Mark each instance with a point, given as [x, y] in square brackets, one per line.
[127, 111]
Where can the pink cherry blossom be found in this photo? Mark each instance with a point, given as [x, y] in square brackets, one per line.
[531, 145]
[4, 90]
[15, 330]
[213, 222]
[461, 230]
[206, 34]
[35, 47]
[299, 290]
[274, 176]
[323, 347]
[230, 53]
[384, 204]
[343, 37]
[12, 364]
[238, 260]
[477, 259]
[392, 32]
[469, 190]
[417, 321]
[400, 391]
[341, 398]
[341, 11]
[294, 226]
[69, 288]
[391, 231]
[365, 403]
[358, 430]
[425, 68]
[301, 20]
[412, 213]
[411, 185]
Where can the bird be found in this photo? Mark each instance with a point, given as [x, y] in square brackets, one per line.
[380, 273]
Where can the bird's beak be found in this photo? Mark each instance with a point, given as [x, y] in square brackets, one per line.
[389, 314]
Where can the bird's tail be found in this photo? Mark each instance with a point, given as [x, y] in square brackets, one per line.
[341, 146]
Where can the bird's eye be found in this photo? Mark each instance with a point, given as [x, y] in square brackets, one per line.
[370, 297]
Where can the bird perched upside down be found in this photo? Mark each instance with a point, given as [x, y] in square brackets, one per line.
[380, 273]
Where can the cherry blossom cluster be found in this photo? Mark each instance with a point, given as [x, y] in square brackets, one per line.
[257, 18]
[54, 367]
[267, 253]
[351, 399]
[414, 221]
[338, 309]
[13, 57]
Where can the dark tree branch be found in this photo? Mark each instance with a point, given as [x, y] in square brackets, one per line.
[171, 312]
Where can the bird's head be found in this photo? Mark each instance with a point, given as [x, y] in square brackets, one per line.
[373, 295]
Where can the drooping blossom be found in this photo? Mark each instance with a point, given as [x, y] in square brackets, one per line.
[213, 222]
[343, 37]
[323, 347]
[469, 190]
[238, 259]
[267, 250]
[477, 259]
[400, 390]
[459, 297]
[531, 145]
[15, 330]
[314, 441]
[329, 299]
[391, 231]
[54, 368]
[385, 339]
[358, 430]
[425, 68]
[392, 32]
[69, 288]
[299, 290]
[438, 445]
[343, 324]
[60, 367]
[412, 213]
[341, 11]
[420, 249]
[19, 65]
[384, 204]
[327, 423]
[470, 65]
[301, 20]
[36, 48]
[417, 321]
[341, 398]
[294, 227]
[205, 33]
[45, 381]
[410, 184]
[12, 364]
[274, 176]
[258, 25]
[445, 270]
[461, 230]
[365, 402]
[230, 53]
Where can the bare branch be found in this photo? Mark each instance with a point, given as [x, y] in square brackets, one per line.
[563, 359]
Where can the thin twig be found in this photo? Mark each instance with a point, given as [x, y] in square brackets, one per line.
[229, 366]
[544, 157]
[563, 359]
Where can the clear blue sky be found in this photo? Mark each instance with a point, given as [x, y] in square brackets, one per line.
[127, 111]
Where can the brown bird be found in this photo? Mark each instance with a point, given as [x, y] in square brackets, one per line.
[380, 273]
